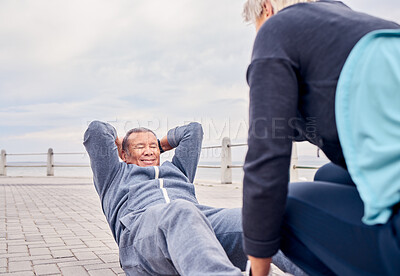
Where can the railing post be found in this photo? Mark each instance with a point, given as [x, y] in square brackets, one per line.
[294, 160]
[50, 162]
[226, 162]
[3, 163]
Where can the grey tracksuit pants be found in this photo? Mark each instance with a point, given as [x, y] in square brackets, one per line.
[181, 238]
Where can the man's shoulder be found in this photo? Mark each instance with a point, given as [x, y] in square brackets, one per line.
[168, 168]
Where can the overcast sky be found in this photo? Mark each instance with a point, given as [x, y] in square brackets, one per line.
[131, 62]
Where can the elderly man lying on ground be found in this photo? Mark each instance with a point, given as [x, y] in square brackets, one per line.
[152, 210]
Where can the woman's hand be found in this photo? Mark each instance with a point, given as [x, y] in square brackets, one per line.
[260, 266]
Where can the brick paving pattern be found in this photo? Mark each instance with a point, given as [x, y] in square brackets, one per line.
[55, 226]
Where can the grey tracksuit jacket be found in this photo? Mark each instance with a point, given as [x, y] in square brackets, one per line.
[127, 189]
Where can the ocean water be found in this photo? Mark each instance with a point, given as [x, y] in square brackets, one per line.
[35, 172]
[203, 174]
[308, 155]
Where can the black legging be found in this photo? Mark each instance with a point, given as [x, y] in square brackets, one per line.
[323, 234]
[333, 173]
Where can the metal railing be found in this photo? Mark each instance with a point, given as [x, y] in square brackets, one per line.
[225, 166]
[49, 165]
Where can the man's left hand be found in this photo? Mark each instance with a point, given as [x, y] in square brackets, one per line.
[118, 142]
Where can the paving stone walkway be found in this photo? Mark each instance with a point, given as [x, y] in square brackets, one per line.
[55, 225]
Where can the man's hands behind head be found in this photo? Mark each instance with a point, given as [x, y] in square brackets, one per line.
[118, 142]
[164, 144]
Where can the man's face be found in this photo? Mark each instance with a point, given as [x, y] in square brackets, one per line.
[143, 150]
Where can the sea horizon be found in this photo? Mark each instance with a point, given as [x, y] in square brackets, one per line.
[207, 174]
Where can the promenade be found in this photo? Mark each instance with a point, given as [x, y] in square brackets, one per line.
[55, 225]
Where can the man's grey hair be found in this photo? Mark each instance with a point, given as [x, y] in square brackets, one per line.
[253, 8]
[125, 142]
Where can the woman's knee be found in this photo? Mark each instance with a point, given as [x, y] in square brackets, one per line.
[334, 174]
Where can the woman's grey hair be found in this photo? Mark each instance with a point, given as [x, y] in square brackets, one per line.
[125, 142]
[253, 8]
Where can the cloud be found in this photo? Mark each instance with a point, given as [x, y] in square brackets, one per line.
[57, 51]
[387, 9]
[50, 32]
[64, 63]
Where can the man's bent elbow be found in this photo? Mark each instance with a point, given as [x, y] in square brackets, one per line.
[98, 129]
[196, 129]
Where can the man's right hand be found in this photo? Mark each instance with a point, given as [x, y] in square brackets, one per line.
[118, 142]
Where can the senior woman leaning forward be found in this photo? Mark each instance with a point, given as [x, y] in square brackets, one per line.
[323, 73]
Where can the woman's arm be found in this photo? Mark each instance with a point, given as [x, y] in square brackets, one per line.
[273, 104]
